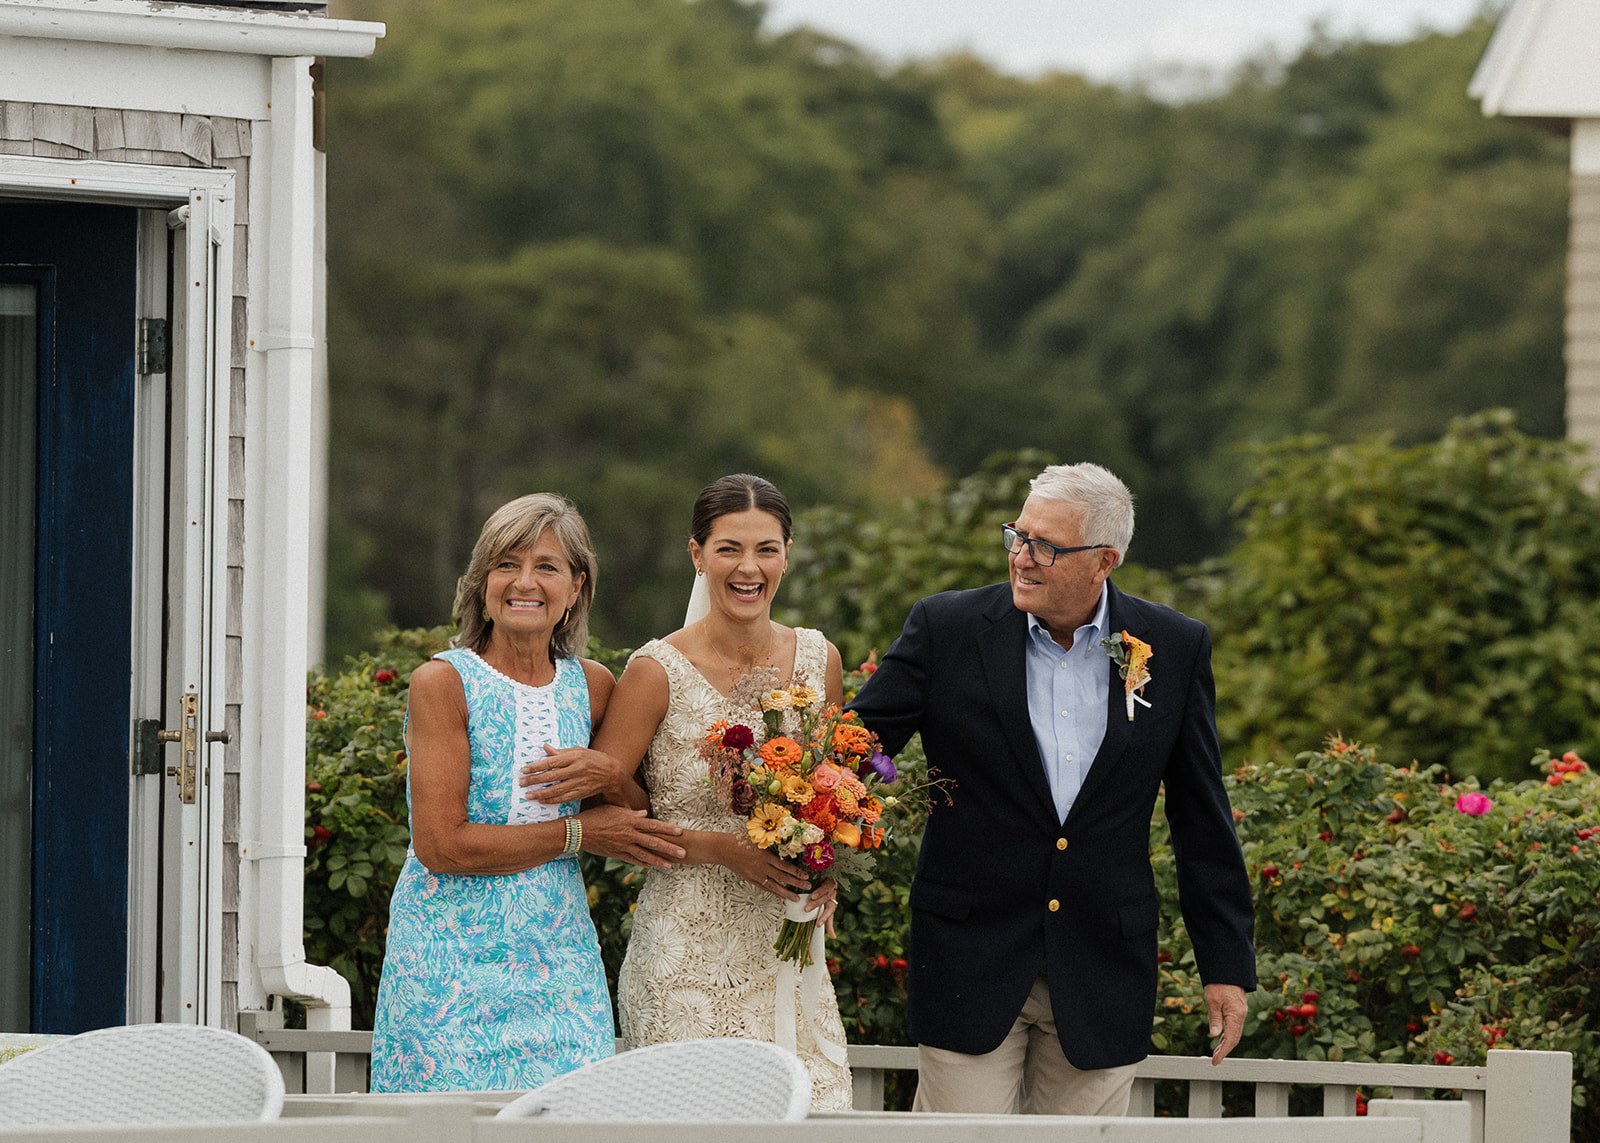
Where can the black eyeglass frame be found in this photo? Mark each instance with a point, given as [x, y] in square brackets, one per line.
[1015, 541]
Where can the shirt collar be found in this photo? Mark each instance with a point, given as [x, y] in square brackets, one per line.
[1095, 628]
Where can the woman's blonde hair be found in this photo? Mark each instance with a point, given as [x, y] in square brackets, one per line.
[511, 528]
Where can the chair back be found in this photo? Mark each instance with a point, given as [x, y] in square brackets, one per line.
[697, 1080]
[142, 1073]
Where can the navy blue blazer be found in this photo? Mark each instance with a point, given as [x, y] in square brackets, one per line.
[1002, 888]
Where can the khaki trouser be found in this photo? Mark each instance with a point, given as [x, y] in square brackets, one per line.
[1028, 1072]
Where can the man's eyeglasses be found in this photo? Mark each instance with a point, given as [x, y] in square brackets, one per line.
[1042, 552]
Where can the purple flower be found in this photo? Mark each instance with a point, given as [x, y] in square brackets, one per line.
[819, 855]
[879, 763]
[1474, 803]
[742, 798]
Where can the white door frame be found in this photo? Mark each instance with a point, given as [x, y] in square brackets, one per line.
[180, 538]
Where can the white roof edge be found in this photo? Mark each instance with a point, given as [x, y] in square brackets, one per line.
[1498, 67]
[151, 23]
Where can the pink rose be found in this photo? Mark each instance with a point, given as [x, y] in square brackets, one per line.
[1475, 804]
[825, 778]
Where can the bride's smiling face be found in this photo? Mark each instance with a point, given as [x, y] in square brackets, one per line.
[744, 558]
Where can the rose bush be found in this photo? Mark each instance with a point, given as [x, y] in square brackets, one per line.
[1400, 916]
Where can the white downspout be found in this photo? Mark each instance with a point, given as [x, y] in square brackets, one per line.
[281, 433]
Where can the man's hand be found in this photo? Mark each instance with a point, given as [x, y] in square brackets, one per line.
[1225, 1005]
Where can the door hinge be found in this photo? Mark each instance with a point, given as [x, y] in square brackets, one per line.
[147, 743]
[153, 354]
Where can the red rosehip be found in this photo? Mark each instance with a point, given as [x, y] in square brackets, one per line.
[1412, 1027]
[1353, 976]
[319, 834]
[1410, 952]
[385, 676]
[1279, 1015]
[1325, 835]
[1269, 871]
[897, 965]
[1308, 1009]
[1298, 1030]
[833, 966]
[1397, 815]
[1570, 756]
[1442, 1057]
[880, 961]
[1554, 780]
[1310, 997]
[319, 714]
[1467, 911]
[314, 787]
[1163, 957]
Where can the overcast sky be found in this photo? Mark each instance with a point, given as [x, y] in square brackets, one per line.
[1108, 39]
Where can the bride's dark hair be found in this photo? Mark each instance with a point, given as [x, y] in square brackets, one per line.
[737, 493]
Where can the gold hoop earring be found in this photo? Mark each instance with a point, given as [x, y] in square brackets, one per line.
[699, 571]
[565, 616]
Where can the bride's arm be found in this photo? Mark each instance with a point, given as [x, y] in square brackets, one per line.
[440, 775]
[588, 772]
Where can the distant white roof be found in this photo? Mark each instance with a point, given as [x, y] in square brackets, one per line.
[156, 23]
[1543, 61]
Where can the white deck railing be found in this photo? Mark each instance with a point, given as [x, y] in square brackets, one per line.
[1517, 1097]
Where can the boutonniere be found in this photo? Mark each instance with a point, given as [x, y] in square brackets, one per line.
[1132, 657]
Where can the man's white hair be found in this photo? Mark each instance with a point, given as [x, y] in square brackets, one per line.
[1106, 502]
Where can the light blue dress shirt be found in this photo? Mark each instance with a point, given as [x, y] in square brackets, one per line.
[1067, 696]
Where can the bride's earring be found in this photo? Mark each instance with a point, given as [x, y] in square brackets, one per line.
[699, 571]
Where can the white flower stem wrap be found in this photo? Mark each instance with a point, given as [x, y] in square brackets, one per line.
[802, 913]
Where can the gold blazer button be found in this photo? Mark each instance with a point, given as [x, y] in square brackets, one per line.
[1054, 905]
[1061, 843]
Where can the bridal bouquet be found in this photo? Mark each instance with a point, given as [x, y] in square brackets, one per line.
[806, 793]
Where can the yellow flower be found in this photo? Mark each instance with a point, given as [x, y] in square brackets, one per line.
[802, 695]
[776, 699]
[796, 790]
[767, 825]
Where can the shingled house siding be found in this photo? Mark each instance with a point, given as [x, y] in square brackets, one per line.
[1583, 315]
[171, 139]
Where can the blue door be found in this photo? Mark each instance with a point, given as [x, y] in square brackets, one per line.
[67, 340]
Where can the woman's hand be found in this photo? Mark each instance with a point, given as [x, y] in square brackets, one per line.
[572, 775]
[827, 896]
[764, 868]
[630, 835]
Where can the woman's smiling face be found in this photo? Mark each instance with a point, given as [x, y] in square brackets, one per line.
[529, 590]
[744, 558]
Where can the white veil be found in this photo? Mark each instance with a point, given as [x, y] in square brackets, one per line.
[699, 601]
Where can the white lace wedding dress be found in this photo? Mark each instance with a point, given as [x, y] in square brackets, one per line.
[700, 961]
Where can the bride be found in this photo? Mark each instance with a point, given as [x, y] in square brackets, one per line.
[701, 961]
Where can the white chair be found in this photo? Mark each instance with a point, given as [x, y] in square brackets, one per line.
[142, 1073]
[721, 1079]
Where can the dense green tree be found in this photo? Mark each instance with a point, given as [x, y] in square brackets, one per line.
[618, 248]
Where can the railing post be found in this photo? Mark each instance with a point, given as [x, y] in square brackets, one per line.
[1272, 1100]
[1205, 1099]
[1142, 1104]
[868, 1089]
[1529, 1098]
[1338, 1100]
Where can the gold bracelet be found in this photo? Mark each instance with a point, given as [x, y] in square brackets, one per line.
[574, 834]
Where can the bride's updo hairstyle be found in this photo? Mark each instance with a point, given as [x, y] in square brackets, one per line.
[737, 493]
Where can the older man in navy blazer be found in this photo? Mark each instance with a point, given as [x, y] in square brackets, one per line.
[1034, 910]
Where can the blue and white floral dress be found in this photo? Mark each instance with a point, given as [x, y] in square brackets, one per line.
[494, 983]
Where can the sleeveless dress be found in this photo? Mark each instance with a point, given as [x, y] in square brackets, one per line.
[495, 983]
[700, 961]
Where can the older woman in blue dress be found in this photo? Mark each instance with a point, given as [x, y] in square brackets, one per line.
[492, 978]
